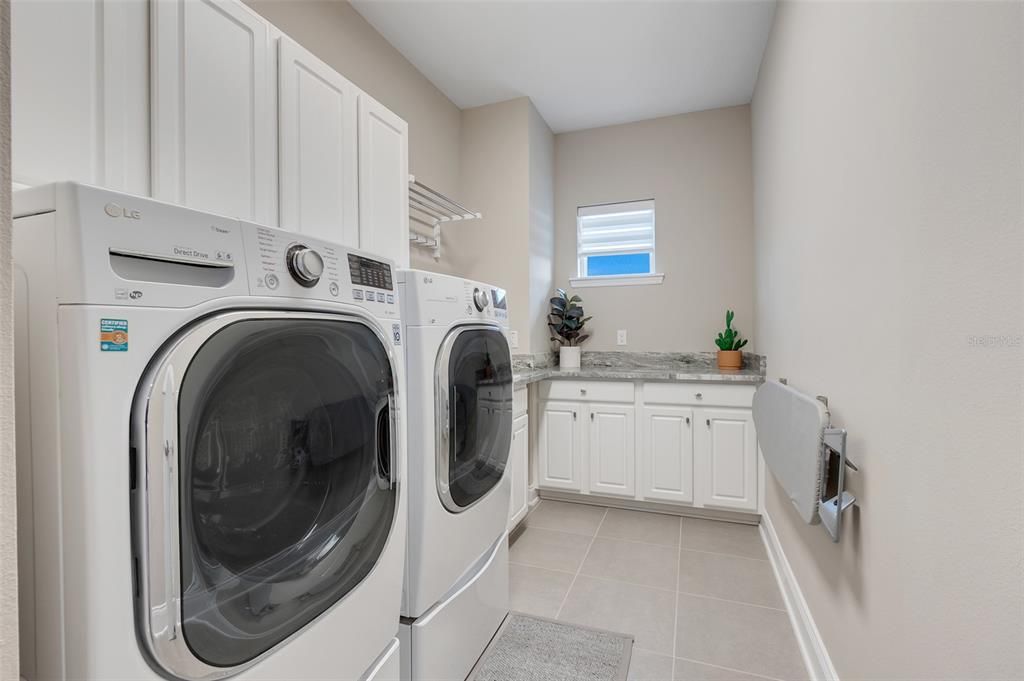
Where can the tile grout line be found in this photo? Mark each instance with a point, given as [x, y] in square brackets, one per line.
[675, 620]
[730, 600]
[729, 669]
[580, 566]
[676, 592]
[648, 543]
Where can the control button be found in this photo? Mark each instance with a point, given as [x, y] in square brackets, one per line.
[391, 299]
[305, 265]
[271, 281]
[369, 296]
[357, 294]
[479, 299]
[333, 288]
[380, 297]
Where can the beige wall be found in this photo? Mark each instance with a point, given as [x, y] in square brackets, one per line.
[887, 164]
[8, 512]
[336, 33]
[697, 168]
[542, 231]
[507, 166]
[496, 181]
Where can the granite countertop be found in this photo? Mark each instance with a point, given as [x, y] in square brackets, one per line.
[627, 366]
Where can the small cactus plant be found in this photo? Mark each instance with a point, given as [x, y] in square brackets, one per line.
[730, 338]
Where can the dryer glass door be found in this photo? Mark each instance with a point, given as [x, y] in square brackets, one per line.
[475, 379]
[286, 493]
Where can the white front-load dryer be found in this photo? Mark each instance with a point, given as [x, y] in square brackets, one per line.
[459, 370]
[211, 449]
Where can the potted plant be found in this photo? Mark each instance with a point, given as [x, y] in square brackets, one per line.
[566, 322]
[729, 344]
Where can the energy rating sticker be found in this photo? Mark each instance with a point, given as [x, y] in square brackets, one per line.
[114, 335]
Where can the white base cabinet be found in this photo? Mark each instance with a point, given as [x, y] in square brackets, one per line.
[518, 467]
[611, 448]
[693, 445]
[518, 471]
[666, 449]
[726, 462]
[558, 440]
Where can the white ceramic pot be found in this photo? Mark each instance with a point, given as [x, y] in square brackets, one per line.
[569, 357]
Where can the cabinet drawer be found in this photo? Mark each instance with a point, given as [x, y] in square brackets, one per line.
[519, 402]
[587, 391]
[699, 394]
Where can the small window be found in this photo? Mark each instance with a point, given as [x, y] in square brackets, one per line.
[615, 239]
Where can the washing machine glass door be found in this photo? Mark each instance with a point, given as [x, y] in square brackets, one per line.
[285, 494]
[474, 384]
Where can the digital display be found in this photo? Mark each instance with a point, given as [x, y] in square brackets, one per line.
[498, 297]
[367, 272]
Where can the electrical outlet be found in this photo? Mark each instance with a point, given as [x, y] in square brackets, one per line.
[622, 337]
[513, 339]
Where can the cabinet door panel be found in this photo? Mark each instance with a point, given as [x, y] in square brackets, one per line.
[212, 105]
[728, 454]
[560, 446]
[319, 154]
[80, 93]
[668, 454]
[383, 182]
[518, 470]
[611, 450]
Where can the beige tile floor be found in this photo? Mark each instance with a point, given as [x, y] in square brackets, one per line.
[699, 596]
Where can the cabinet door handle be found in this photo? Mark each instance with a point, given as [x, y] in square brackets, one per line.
[574, 416]
[708, 422]
[687, 420]
[591, 416]
[583, 391]
[699, 396]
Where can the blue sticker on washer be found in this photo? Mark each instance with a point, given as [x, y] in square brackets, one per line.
[113, 335]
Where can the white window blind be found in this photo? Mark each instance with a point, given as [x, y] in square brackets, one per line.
[616, 239]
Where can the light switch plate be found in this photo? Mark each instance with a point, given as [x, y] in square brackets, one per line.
[513, 339]
[622, 337]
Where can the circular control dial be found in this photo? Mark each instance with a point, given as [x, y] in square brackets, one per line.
[480, 299]
[305, 265]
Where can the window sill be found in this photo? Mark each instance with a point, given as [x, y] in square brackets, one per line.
[617, 280]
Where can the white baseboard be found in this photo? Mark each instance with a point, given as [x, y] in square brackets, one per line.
[534, 497]
[812, 647]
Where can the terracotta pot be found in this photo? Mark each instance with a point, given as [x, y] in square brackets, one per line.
[730, 359]
[569, 357]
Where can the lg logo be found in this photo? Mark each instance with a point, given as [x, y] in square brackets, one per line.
[116, 211]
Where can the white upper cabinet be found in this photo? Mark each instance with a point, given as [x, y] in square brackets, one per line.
[667, 459]
[80, 93]
[318, 112]
[212, 106]
[727, 459]
[610, 448]
[383, 182]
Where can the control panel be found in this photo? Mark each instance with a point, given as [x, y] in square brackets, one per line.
[292, 265]
[487, 300]
[429, 298]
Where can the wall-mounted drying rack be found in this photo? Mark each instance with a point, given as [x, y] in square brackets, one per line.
[431, 208]
[805, 452]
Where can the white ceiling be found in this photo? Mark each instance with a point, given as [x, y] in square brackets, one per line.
[584, 64]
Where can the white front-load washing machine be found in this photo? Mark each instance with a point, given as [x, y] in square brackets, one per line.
[211, 451]
[459, 371]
